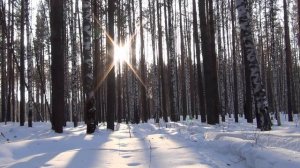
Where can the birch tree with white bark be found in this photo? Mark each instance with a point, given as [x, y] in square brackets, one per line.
[251, 53]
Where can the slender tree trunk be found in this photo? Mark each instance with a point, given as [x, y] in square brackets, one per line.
[30, 65]
[74, 80]
[155, 78]
[143, 69]
[183, 65]
[173, 63]
[111, 97]
[299, 21]
[3, 65]
[22, 66]
[288, 62]
[221, 61]
[96, 54]
[88, 88]
[235, 85]
[161, 64]
[199, 68]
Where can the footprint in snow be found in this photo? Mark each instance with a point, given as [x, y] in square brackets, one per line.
[133, 164]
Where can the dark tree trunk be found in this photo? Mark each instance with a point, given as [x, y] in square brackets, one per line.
[3, 65]
[209, 62]
[30, 66]
[299, 21]
[199, 68]
[97, 53]
[183, 66]
[161, 64]
[111, 97]
[235, 82]
[143, 69]
[288, 62]
[173, 65]
[57, 67]
[22, 66]
[248, 92]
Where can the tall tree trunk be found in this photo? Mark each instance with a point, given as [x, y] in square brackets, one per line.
[3, 65]
[161, 64]
[183, 65]
[134, 84]
[57, 67]
[66, 10]
[209, 62]
[74, 80]
[288, 62]
[155, 78]
[235, 82]
[30, 65]
[274, 61]
[96, 53]
[299, 22]
[173, 65]
[250, 51]
[143, 68]
[199, 68]
[88, 83]
[111, 97]
[22, 66]
[221, 61]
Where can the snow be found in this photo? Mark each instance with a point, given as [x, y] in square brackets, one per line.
[183, 144]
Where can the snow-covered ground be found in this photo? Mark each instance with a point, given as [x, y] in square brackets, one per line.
[183, 144]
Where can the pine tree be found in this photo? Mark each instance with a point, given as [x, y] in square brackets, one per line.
[111, 94]
[199, 67]
[299, 21]
[57, 67]
[161, 64]
[3, 65]
[30, 65]
[235, 75]
[143, 68]
[173, 65]
[22, 66]
[183, 65]
[209, 62]
[288, 62]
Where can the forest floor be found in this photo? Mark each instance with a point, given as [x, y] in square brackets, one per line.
[183, 144]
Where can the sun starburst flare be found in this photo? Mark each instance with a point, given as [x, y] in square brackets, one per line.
[121, 55]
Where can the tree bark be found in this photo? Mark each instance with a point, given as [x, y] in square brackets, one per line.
[88, 83]
[57, 67]
[111, 97]
[199, 67]
[288, 60]
[22, 66]
[30, 65]
[250, 51]
[209, 62]
[173, 65]
[235, 82]
[161, 64]
[143, 69]
[183, 66]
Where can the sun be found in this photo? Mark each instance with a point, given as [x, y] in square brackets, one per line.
[120, 54]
